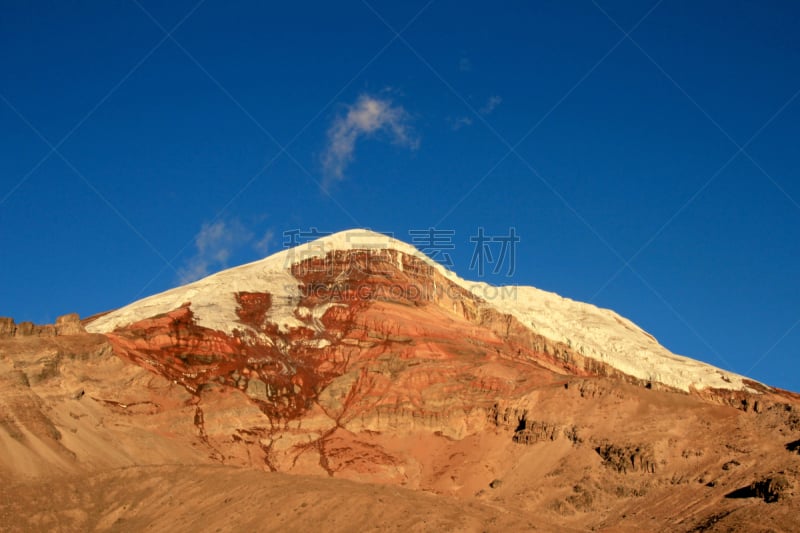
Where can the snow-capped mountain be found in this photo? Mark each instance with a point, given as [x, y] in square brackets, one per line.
[600, 335]
[358, 358]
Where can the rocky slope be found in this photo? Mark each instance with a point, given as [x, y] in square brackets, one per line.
[358, 358]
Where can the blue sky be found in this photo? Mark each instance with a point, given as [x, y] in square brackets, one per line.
[644, 152]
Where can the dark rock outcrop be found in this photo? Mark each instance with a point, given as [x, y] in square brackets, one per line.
[535, 431]
[627, 458]
[794, 446]
[770, 489]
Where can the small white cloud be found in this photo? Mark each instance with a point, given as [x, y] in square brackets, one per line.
[214, 245]
[262, 246]
[460, 122]
[368, 116]
[491, 105]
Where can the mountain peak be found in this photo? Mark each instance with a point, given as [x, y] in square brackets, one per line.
[600, 336]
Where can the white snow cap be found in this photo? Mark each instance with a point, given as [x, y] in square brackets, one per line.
[600, 334]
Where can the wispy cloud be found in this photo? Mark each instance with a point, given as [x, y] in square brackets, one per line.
[486, 109]
[460, 122]
[491, 105]
[263, 244]
[367, 117]
[464, 64]
[214, 245]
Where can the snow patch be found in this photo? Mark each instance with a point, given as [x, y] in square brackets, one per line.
[604, 335]
[213, 299]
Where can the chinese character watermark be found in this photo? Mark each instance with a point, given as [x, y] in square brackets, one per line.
[318, 253]
[482, 253]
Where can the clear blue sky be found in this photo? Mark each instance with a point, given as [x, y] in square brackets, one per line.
[655, 174]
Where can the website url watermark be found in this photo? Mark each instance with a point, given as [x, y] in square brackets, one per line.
[352, 292]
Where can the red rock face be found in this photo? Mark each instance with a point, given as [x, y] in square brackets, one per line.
[412, 344]
[253, 307]
[406, 328]
[174, 346]
[382, 345]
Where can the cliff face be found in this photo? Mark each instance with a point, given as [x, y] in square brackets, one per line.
[376, 365]
[65, 325]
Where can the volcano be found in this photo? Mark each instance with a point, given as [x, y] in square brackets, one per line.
[353, 382]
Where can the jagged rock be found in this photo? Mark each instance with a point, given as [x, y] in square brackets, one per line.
[507, 417]
[257, 389]
[25, 329]
[627, 458]
[771, 489]
[47, 330]
[65, 325]
[7, 327]
[29, 329]
[534, 431]
[69, 325]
